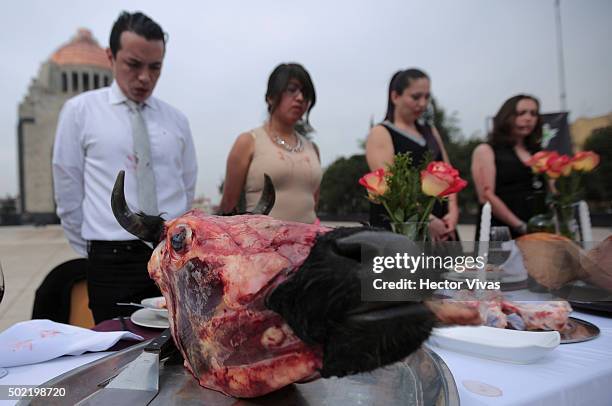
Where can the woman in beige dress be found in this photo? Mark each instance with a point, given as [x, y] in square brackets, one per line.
[280, 149]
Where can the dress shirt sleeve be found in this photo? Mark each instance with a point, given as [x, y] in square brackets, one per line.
[190, 165]
[68, 167]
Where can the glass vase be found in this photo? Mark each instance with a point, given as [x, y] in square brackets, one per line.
[541, 223]
[414, 230]
[565, 220]
[542, 220]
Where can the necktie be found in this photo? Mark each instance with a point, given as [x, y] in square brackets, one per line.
[147, 193]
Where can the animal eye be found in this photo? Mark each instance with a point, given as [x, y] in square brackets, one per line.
[178, 240]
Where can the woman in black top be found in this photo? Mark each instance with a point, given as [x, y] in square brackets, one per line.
[409, 95]
[499, 168]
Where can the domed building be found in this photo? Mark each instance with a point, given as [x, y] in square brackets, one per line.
[77, 66]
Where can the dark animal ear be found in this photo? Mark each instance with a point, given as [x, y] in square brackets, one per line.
[322, 303]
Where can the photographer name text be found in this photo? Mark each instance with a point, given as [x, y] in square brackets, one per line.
[427, 284]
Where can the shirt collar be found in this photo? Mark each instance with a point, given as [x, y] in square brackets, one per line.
[116, 96]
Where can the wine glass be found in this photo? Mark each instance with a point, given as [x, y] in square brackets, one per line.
[499, 249]
[3, 371]
[1, 284]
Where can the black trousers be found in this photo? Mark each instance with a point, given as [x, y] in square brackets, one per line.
[117, 272]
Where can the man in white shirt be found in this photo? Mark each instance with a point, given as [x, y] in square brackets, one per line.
[122, 127]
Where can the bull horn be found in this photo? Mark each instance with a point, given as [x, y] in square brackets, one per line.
[146, 227]
[268, 196]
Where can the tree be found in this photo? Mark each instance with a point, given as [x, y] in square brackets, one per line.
[599, 186]
[8, 205]
[460, 155]
[8, 211]
[459, 151]
[448, 126]
[341, 194]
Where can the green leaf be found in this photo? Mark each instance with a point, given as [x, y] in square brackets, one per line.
[399, 214]
[414, 217]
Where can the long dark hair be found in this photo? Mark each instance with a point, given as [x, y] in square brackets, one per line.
[277, 84]
[504, 121]
[399, 82]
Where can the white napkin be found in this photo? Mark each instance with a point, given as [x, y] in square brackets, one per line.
[29, 342]
[514, 265]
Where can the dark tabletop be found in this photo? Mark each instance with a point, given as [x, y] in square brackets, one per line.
[126, 325]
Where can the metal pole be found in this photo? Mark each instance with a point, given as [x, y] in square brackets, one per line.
[563, 94]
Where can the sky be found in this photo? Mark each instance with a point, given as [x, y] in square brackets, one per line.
[478, 53]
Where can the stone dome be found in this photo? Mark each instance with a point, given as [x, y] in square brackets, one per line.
[82, 49]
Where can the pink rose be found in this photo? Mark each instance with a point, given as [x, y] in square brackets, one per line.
[585, 161]
[375, 184]
[441, 179]
[558, 165]
[539, 161]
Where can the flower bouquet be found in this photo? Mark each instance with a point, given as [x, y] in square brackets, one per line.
[565, 177]
[408, 193]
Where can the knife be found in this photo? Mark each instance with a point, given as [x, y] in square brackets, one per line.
[138, 383]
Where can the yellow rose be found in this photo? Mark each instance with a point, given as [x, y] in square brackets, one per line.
[585, 161]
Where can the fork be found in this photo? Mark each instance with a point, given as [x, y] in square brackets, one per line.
[133, 304]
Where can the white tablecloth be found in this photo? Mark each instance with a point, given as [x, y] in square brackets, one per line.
[40, 373]
[571, 375]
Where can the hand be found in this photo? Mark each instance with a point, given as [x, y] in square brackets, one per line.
[451, 219]
[438, 229]
[520, 229]
[449, 312]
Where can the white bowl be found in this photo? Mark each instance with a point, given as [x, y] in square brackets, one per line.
[156, 304]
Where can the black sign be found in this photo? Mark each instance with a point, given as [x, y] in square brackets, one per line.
[555, 133]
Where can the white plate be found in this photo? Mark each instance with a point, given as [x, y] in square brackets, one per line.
[149, 318]
[521, 347]
[157, 304]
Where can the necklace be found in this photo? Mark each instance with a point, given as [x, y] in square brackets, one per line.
[298, 145]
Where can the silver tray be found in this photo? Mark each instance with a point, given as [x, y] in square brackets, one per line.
[421, 379]
[579, 330]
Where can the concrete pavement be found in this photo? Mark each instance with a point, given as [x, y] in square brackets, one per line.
[27, 255]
